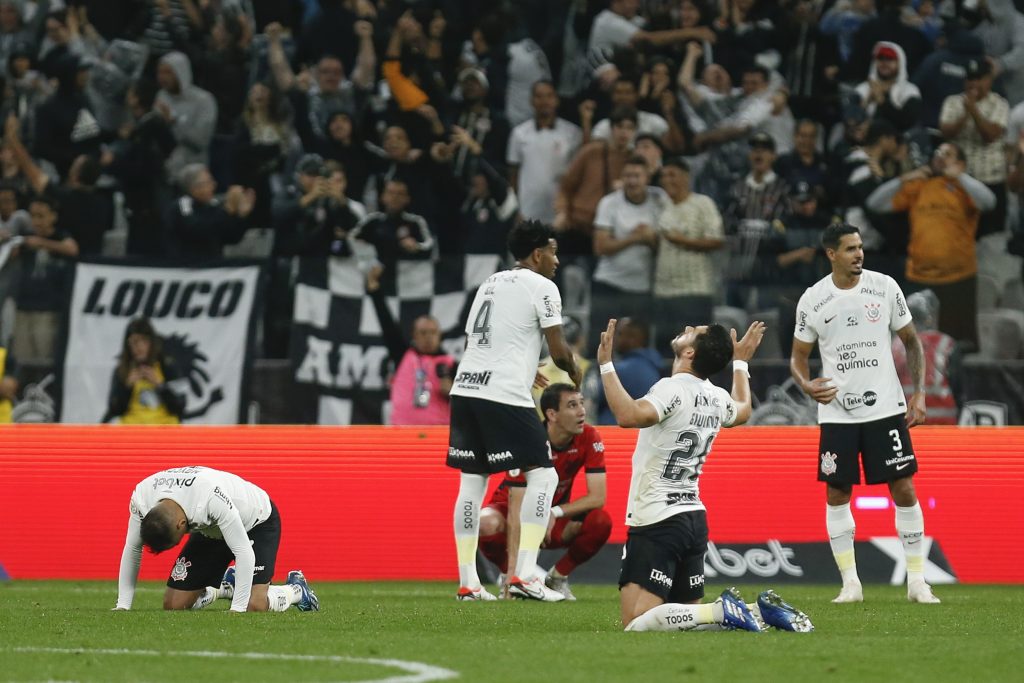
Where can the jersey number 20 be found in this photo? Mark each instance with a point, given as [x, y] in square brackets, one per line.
[688, 459]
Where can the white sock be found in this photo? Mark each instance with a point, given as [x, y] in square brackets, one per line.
[910, 528]
[533, 518]
[840, 525]
[280, 598]
[472, 488]
[225, 593]
[673, 616]
[208, 596]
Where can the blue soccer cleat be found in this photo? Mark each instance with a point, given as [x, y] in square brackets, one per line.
[783, 616]
[309, 602]
[227, 584]
[737, 614]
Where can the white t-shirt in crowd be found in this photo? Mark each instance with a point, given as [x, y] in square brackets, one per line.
[542, 155]
[630, 269]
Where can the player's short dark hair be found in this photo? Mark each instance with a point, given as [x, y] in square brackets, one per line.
[831, 235]
[525, 236]
[157, 530]
[551, 399]
[712, 351]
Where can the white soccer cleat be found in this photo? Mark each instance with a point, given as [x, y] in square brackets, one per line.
[919, 591]
[559, 584]
[534, 589]
[852, 592]
[474, 594]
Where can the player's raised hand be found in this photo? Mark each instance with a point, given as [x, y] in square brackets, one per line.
[744, 348]
[916, 411]
[822, 390]
[605, 348]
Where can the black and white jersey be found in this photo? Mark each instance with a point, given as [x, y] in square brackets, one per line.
[503, 336]
[217, 504]
[669, 456]
[853, 328]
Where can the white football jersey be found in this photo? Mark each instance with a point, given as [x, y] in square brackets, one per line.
[669, 456]
[853, 328]
[217, 504]
[504, 335]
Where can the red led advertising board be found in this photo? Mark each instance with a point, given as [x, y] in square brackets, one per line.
[376, 502]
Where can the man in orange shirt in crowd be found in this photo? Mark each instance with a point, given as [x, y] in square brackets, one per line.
[944, 205]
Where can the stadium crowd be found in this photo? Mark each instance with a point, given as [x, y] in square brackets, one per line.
[688, 152]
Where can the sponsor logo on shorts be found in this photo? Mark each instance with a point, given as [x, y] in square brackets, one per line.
[503, 456]
[900, 459]
[171, 482]
[475, 379]
[697, 580]
[459, 454]
[180, 570]
[828, 463]
[854, 401]
[659, 577]
[874, 312]
[259, 568]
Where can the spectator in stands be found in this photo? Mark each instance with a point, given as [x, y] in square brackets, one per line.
[199, 224]
[342, 143]
[393, 232]
[190, 112]
[65, 125]
[423, 372]
[262, 141]
[805, 164]
[653, 152]
[944, 204]
[941, 74]
[976, 121]
[748, 31]
[636, 363]
[624, 96]
[8, 383]
[169, 26]
[485, 125]
[46, 266]
[14, 30]
[62, 38]
[488, 52]
[843, 19]
[757, 203]
[14, 222]
[222, 67]
[811, 64]
[140, 388]
[888, 26]
[594, 173]
[1000, 25]
[538, 153]
[613, 28]
[314, 216]
[888, 93]
[685, 278]
[941, 360]
[625, 237]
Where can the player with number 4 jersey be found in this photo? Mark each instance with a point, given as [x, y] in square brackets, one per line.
[851, 314]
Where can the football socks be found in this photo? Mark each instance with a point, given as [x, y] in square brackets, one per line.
[472, 488]
[280, 598]
[597, 527]
[533, 517]
[840, 525]
[910, 528]
[673, 616]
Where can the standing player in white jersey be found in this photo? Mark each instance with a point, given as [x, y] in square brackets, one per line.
[662, 578]
[494, 425]
[851, 315]
[226, 518]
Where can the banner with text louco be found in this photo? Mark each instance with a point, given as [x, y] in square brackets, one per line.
[336, 344]
[205, 316]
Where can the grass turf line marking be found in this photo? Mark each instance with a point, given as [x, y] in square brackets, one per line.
[417, 671]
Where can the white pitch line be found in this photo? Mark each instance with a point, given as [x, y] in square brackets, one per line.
[417, 672]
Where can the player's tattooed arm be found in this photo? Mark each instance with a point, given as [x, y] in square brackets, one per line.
[562, 353]
[915, 364]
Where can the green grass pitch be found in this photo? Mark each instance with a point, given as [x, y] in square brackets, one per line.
[65, 631]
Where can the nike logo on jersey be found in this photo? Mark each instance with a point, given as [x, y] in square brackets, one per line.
[828, 320]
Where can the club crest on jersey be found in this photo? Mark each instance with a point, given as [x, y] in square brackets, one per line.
[180, 570]
[874, 312]
[828, 462]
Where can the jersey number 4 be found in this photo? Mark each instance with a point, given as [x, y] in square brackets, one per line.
[482, 323]
[688, 459]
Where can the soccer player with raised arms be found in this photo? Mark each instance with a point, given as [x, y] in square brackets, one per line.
[227, 518]
[494, 425]
[851, 314]
[661, 583]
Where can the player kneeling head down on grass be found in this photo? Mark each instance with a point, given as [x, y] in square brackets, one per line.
[227, 518]
[661, 582]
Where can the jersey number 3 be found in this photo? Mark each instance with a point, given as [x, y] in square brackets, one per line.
[482, 323]
[688, 459]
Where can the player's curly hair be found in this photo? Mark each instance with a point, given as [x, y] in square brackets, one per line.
[526, 236]
[712, 351]
[157, 530]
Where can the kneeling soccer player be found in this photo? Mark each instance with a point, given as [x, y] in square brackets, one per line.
[227, 518]
[661, 583]
[582, 526]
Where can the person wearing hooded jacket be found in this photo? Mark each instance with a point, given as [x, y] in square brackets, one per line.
[190, 111]
[65, 125]
[888, 93]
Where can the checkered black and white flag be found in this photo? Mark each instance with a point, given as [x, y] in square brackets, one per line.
[336, 343]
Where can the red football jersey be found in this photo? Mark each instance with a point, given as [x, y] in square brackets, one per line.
[585, 452]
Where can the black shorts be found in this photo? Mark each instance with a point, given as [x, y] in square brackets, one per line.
[203, 560]
[884, 446]
[487, 436]
[667, 558]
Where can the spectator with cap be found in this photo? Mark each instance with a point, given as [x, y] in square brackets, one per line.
[805, 164]
[65, 125]
[976, 121]
[756, 205]
[199, 224]
[190, 112]
[484, 124]
[888, 93]
[888, 26]
[685, 277]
